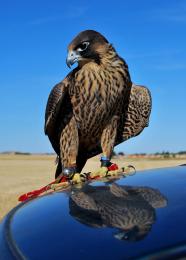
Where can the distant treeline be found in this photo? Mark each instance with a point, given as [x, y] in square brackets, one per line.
[25, 153]
[22, 153]
[164, 154]
[16, 153]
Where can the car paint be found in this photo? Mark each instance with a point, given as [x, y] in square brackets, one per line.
[55, 226]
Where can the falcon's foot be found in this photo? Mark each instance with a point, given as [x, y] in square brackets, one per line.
[128, 170]
[101, 173]
[67, 181]
[104, 171]
[113, 171]
[76, 179]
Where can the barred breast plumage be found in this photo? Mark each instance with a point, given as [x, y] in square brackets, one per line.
[97, 96]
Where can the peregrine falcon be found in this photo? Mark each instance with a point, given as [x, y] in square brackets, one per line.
[95, 107]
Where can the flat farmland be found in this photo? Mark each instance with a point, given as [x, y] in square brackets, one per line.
[23, 173]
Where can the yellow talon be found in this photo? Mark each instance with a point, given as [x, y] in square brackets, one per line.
[76, 178]
[129, 170]
[102, 172]
[113, 173]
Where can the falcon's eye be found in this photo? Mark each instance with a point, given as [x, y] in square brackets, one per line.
[83, 46]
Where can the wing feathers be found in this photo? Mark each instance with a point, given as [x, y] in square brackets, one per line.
[53, 105]
[55, 101]
[138, 113]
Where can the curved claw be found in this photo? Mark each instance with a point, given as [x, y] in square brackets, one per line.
[126, 170]
[113, 173]
[102, 172]
[76, 179]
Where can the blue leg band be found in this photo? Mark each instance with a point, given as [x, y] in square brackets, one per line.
[105, 162]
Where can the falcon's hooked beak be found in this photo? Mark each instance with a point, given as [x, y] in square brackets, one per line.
[73, 56]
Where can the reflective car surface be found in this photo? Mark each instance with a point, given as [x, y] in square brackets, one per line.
[140, 216]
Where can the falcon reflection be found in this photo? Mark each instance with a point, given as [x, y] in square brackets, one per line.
[129, 209]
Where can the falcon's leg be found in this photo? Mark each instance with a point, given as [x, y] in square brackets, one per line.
[80, 163]
[69, 142]
[108, 140]
[107, 144]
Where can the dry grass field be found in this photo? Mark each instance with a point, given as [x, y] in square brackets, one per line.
[23, 173]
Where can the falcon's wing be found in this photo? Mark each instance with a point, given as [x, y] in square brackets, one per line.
[54, 102]
[57, 109]
[136, 116]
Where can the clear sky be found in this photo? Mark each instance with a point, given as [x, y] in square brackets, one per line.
[149, 35]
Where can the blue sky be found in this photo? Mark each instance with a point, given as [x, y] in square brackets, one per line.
[149, 35]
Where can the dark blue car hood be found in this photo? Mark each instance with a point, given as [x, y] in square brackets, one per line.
[139, 216]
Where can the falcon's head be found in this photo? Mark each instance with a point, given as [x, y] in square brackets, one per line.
[87, 46]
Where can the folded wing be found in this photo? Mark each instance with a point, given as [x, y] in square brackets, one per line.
[136, 113]
[58, 110]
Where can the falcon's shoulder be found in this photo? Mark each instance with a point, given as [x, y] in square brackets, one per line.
[58, 97]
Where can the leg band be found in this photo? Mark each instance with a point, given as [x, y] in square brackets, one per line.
[105, 162]
[69, 171]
